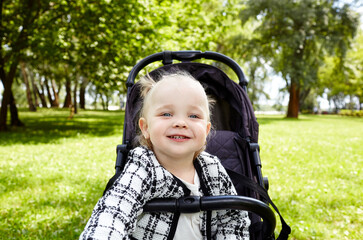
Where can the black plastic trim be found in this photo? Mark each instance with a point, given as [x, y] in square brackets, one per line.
[168, 56]
[192, 204]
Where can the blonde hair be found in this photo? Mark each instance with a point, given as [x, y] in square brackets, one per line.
[148, 84]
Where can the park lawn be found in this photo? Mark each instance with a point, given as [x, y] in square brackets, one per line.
[314, 166]
[53, 172]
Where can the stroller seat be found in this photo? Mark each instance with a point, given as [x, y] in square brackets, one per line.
[234, 140]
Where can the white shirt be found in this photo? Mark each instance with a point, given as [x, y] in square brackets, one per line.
[189, 223]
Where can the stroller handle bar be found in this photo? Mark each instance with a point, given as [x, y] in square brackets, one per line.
[193, 204]
[186, 56]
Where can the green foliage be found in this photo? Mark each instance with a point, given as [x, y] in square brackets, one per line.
[236, 43]
[310, 103]
[352, 113]
[343, 77]
[296, 36]
[102, 40]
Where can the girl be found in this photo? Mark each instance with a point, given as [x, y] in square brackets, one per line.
[170, 163]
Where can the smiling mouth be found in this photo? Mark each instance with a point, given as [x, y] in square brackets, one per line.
[178, 137]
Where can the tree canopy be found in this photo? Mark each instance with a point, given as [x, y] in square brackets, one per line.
[296, 36]
[60, 45]
[98, 41]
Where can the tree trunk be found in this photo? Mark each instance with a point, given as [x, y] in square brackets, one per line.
[31, 105]
[14, 117]
[55, 94]
[107, 101]
[293, 107]
[103, 102]
[35, 89]
[252, 86]
[95, 101]
[4, 106]
[53, 100]
[82, 93]
[68, 99]
[41, 94]
[75, 97]
[49, 95]
[7, 81]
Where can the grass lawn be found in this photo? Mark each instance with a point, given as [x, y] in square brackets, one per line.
[53, 172]
[314, 166]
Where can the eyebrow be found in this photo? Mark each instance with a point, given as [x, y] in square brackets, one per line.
[193, 108]
[164, 106]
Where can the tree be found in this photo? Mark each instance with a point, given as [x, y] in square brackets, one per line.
[342, 78]
[98, 41]
[24, 19]
[297, 35]
[32, 106]
[354, 63]
[233, 40]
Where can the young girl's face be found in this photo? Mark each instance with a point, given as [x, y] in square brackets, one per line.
[176, 119]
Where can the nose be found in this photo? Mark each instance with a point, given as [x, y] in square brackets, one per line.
[180, 123]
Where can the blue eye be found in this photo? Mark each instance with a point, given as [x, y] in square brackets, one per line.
[194, 116]
[166, 114]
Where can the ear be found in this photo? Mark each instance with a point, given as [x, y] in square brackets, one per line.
[208, 127]
[144, 128]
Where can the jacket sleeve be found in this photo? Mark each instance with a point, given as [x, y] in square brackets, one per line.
[232, 224]
[115, 214]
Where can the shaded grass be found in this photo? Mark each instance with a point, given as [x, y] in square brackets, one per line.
[314, 165]
[53, 172]
[51, 125]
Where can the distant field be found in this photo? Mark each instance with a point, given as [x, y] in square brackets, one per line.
[53, 172]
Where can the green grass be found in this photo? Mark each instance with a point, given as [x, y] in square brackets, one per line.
[314, 165]
[53, 172]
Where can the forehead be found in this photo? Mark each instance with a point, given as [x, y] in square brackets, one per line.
[178, 92]
[169, 89]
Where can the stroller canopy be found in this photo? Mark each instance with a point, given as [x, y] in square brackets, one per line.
[232, 112]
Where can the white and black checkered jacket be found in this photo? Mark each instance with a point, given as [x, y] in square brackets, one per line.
[118, 214]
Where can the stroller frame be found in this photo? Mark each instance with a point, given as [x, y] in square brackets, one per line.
[192, 203]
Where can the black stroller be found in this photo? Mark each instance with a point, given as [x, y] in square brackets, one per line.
[234, 141]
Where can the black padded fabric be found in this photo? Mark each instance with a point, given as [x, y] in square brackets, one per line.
[232, 116]
[235, 126]
[233, 109]
[223, 145]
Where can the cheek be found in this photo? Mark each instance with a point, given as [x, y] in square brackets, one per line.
[156, 129]
[203, 129]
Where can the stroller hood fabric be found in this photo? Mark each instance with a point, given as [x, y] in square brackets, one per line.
[233, 120]
[238, 115]
[234, 129]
